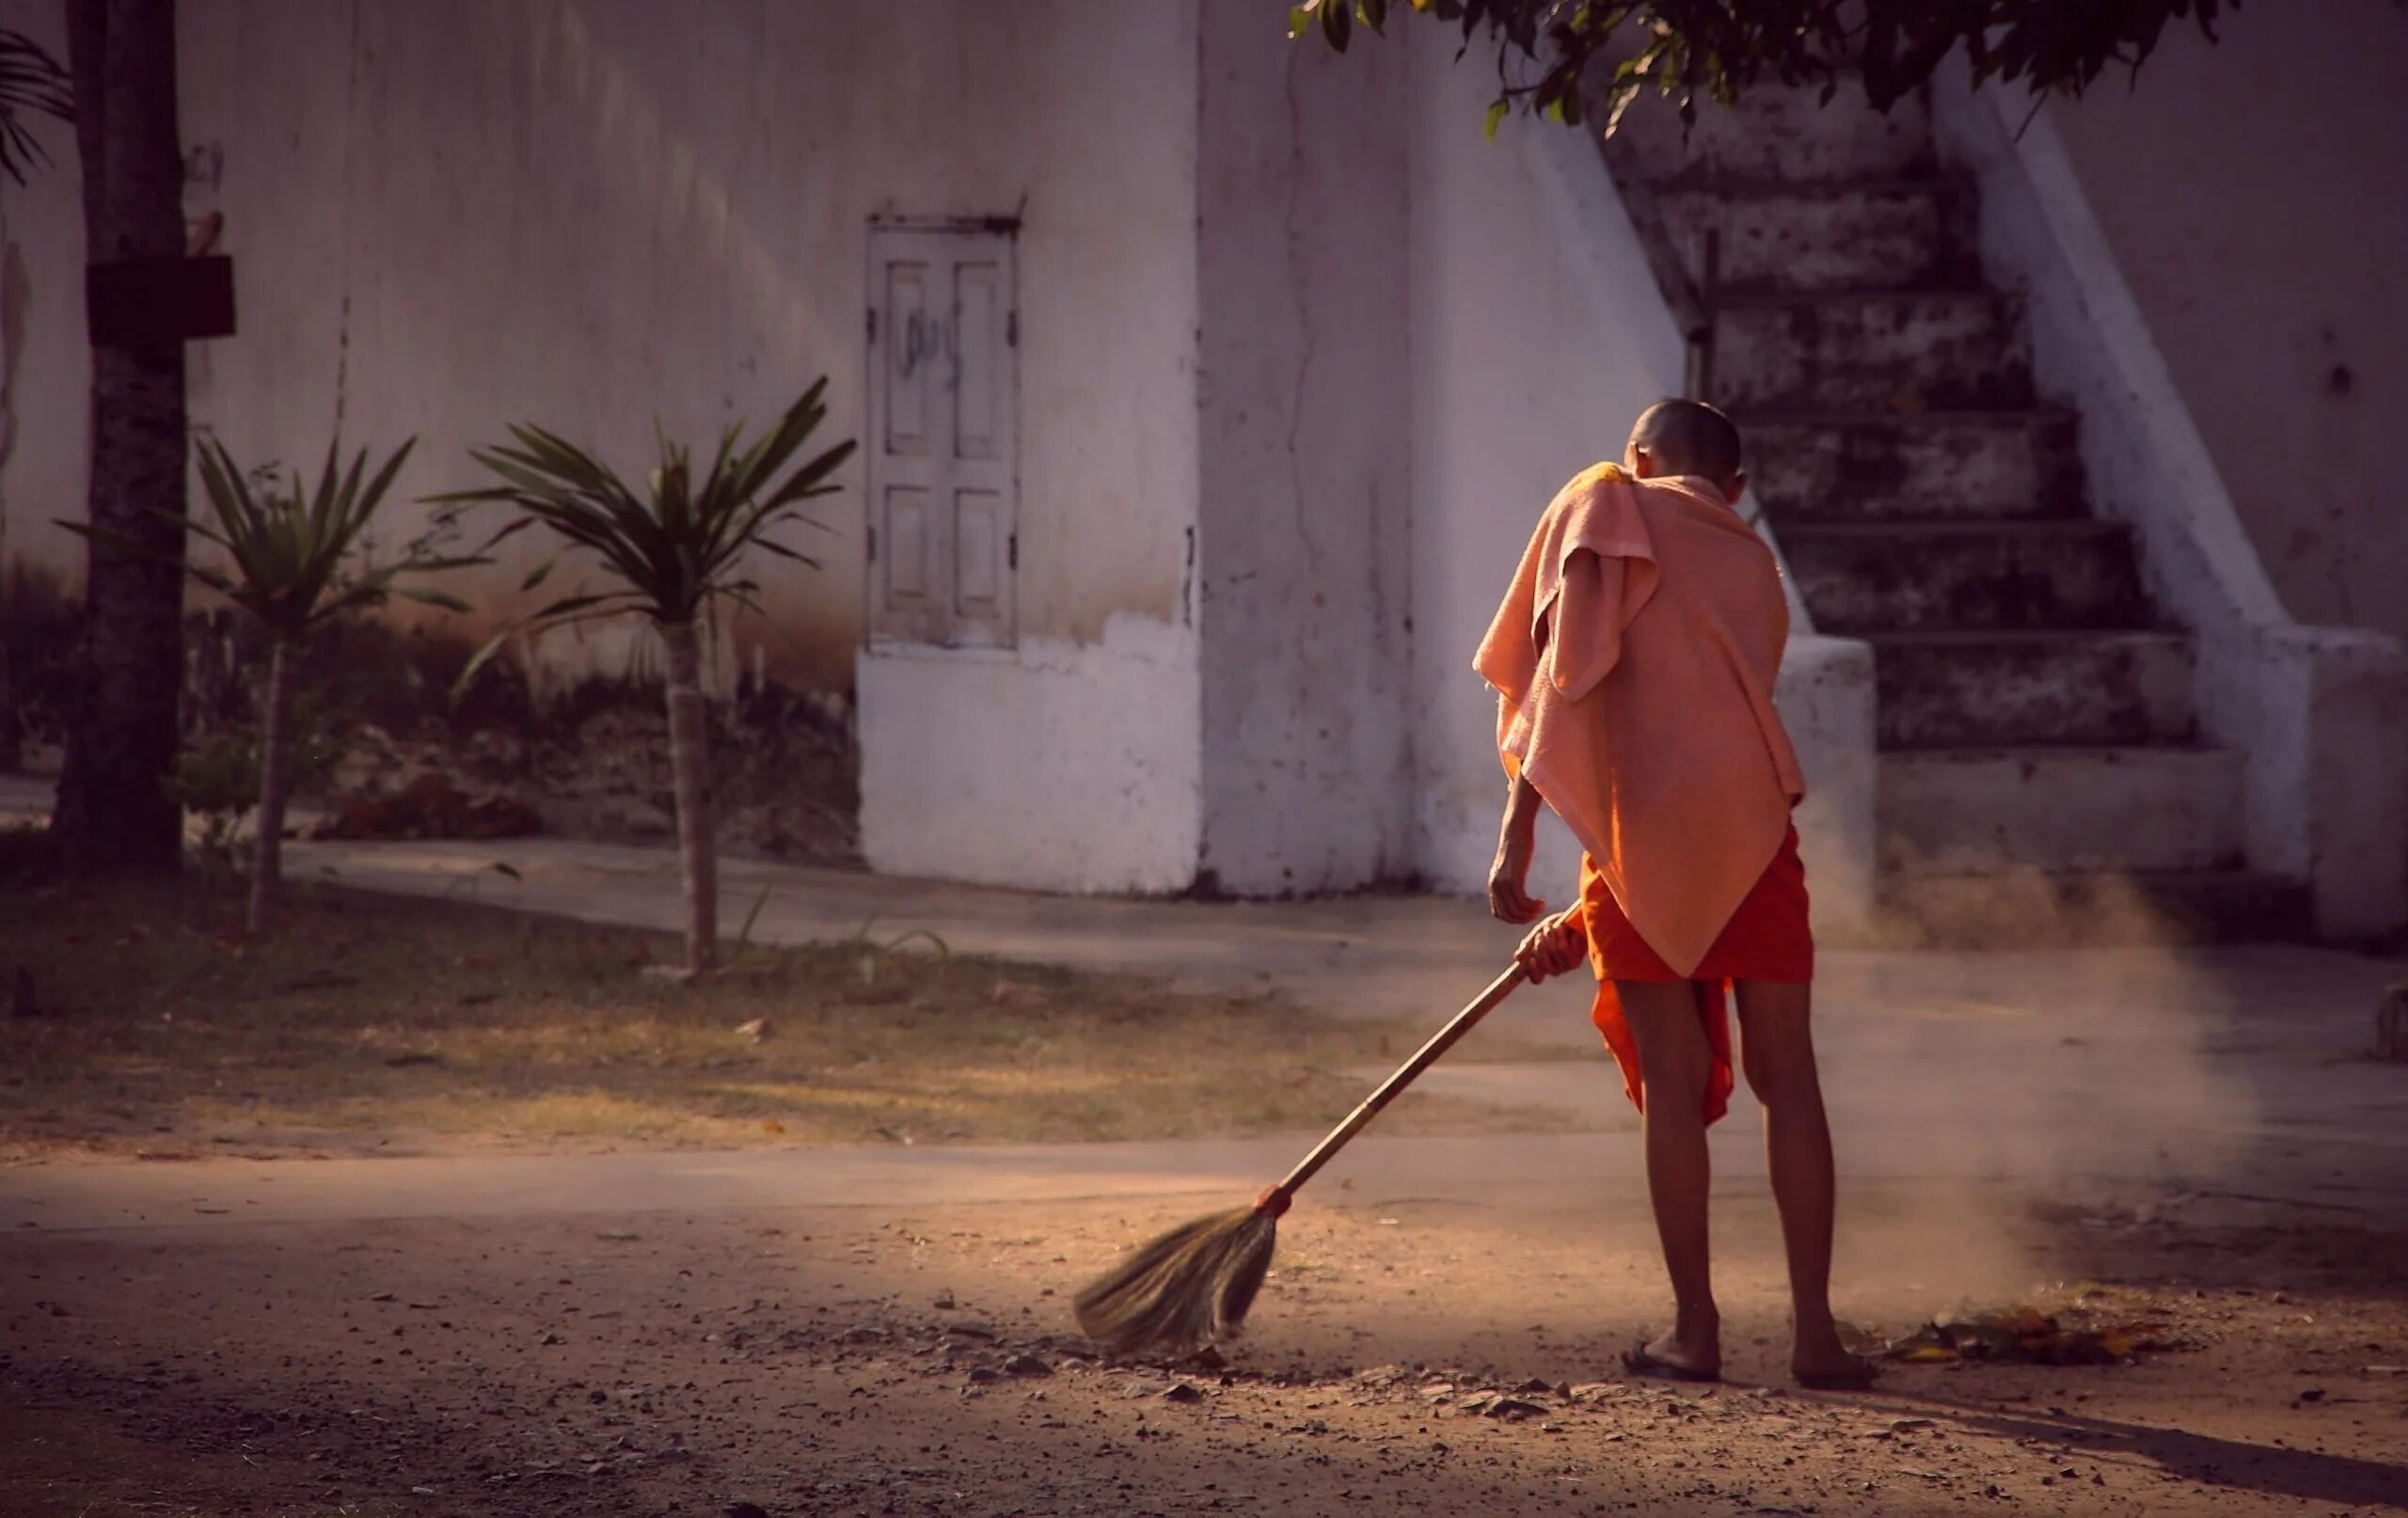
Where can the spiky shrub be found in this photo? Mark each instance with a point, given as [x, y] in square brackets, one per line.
[30, 81]
[289, 563]
[674, 550]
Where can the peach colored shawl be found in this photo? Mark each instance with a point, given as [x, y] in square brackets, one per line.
[1634, 660]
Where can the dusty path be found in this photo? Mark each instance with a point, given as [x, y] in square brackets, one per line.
[2201, 1133]
[919, 1359]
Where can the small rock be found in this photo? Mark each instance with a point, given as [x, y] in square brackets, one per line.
[757, 1030]
[980, 1375]
[1512, 1407]
[945, 1300]
[971, 1329]
[744, 1509]
[2314, 1394]
[1534, 1386]
[550, 1337]
[1027, 1364]
[1182, 1393]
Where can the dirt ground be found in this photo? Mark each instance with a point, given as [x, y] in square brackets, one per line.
[137, 1020]
[856, 1361]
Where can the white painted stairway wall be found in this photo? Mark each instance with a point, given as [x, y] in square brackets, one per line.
[2049, 757]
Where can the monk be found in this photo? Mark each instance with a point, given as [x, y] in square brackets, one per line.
[1634, 659]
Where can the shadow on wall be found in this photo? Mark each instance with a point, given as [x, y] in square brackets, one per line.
[588, 756]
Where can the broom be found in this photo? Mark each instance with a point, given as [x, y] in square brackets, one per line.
[1195, 1284]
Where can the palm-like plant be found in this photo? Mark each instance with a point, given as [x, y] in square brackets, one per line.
[675, 550]
[287, 564]
[30, 80]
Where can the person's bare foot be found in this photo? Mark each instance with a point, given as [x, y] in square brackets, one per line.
[1694, 1354]
[1822, 1362]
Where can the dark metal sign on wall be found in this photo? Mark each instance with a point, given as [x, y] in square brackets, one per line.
[142, 303]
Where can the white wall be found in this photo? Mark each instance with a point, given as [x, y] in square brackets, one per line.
[450, 214]
[1514, 389]
[1303, 594]
[1057, 765]
[2252, 192]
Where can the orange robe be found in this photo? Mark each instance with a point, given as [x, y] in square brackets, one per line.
[1633, 656]
[1767, 938]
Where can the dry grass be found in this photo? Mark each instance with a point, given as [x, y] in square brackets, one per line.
[366, 1022]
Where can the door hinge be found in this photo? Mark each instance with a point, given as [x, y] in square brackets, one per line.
[1011, 552]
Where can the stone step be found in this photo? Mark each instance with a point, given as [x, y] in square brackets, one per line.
[1943, 576]
[1908, 350]
[1930, 465]
[1981, 810]
[2034, 909]
[1774, 135]
[1943, 691]
[1902, 235]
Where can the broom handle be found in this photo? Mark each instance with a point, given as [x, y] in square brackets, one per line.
[1423, 1058]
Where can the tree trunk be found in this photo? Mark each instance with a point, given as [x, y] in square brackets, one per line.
[114, 804]
[276, 781]
[690, 764]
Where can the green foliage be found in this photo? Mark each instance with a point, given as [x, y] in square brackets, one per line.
[291, 556]
[218, 782]
[673, 547]
[218, 779]
[1586, 62]
[30, 80]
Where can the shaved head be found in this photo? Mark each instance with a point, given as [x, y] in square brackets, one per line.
[1688, 438]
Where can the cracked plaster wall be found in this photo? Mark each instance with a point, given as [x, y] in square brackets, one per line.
[2251, 191]
[450, 215]
[1305, 512]
[1515, 389]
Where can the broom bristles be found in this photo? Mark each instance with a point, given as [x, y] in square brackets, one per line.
[1190, 1288]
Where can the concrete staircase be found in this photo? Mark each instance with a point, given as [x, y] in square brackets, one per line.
[2040, 769]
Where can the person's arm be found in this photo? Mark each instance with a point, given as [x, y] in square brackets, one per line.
[1509, 898]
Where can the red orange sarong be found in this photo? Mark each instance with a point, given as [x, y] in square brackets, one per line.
[1767, 937]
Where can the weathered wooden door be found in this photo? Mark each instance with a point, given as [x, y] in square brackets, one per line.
[943, 541]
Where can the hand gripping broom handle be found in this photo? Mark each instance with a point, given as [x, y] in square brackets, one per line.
[1276, 1198]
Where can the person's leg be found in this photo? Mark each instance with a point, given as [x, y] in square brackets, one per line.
[1674, 1061]
[1777, 1052]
